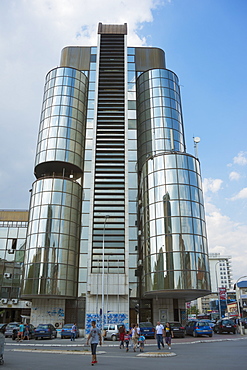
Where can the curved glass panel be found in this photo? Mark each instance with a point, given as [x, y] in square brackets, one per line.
[58, 109]
[174, 224]
[53, 241]
[152, 101]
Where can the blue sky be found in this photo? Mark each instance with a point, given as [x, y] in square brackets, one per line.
[205, 45]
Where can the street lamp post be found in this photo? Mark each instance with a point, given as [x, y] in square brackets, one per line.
[217, 287]
[239, 304]
[103, 274]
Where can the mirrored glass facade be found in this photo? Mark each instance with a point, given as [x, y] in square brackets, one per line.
[51, 259]
[62, 126]
[160, 125]
[174, 237]
[12, 248]
[54, 228]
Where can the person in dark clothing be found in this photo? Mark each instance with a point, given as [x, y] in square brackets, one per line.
[168, 335]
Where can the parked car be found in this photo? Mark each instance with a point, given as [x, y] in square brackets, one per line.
[111, 331]
[225, 326]
[178, 329]
[66, 331]
[45, 331]
[211, 323]
[147, 329]
[244, 322]
[3, 328]
[198, 327]
[10, 327]
[31, 332]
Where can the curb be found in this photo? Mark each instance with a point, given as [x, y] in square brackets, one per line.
[57, 351]
[157, 354]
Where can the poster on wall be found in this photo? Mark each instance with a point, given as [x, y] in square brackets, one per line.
[163, 315]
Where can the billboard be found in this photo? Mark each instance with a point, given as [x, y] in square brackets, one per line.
[222, 294]
[232, 309]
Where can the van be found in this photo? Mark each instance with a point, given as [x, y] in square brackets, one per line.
[111, 331]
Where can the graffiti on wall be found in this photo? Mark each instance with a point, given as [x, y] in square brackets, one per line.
[117, 318]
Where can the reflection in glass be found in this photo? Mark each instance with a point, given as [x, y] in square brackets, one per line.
[173, 225]
[49, 240]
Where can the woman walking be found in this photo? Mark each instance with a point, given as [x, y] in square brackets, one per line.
[121, 336]
[134, 336]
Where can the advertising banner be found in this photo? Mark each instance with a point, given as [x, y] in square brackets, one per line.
[222, 294]
[232, 309]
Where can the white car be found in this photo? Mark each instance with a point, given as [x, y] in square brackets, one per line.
[111, 332]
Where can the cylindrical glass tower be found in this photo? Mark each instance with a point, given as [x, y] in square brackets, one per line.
[172, 228]
[160, 124]
[53, 237]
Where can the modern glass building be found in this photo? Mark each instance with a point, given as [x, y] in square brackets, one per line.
[116, 214]
[13, 229]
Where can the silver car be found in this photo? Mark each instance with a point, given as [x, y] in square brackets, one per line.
[111, 332]
[10, 327]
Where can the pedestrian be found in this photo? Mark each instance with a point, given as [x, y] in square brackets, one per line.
[121, 331]
[142, 340]
[134, 336]
[26, 332]
[2, 342]
[73, 332]
[21, 332]
[159, 333]
[126, 341]
[138, 331]
[95, 337]
[168, 334]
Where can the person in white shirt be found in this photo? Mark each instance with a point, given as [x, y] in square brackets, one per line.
[138, 329]
[73, 332]
[134, 336]
[159, 333]
[95, 337]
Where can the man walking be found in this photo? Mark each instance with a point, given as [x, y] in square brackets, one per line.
[73, 332]
[159, 333]
[21, 332]
[95, 339]
[168, 334]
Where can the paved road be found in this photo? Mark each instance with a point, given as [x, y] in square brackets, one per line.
[224, 351]
[149, 342]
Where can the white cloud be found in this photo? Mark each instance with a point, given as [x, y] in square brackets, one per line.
[212, 185]
[241, 158]
[234, 176]
[241, 195]
[70, 21]
[32, 35]
[228, 238]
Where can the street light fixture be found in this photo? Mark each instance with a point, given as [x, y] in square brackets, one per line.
[103, 272]
[196, 141]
